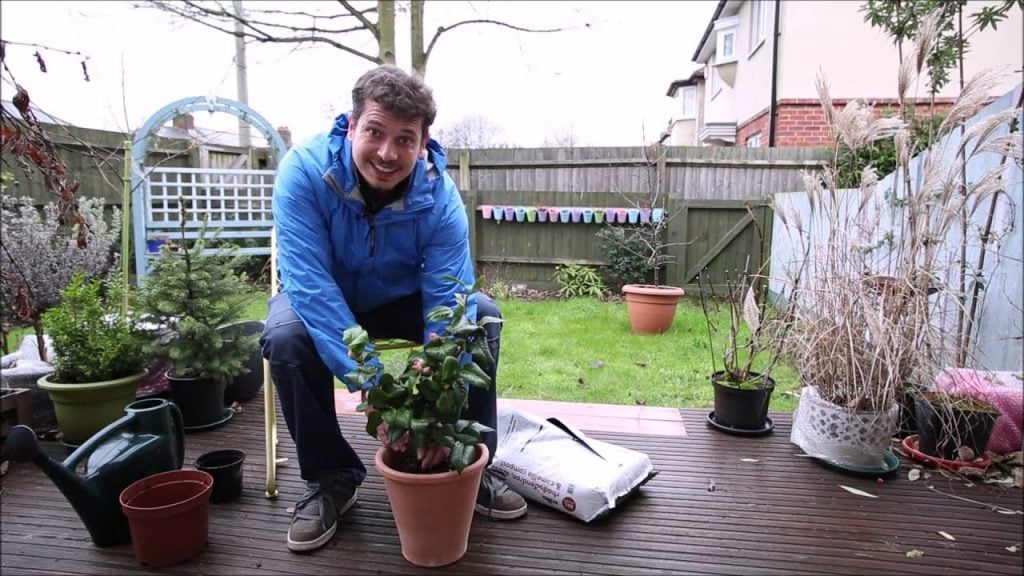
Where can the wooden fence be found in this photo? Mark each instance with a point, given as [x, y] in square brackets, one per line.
[706, 193]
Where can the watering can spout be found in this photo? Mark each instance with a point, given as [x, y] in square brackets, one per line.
[149, 439]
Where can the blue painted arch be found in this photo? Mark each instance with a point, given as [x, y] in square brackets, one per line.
[140, 145]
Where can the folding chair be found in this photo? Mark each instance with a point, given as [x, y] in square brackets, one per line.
[269, 402]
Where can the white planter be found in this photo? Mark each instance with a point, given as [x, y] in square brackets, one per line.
[840, 435]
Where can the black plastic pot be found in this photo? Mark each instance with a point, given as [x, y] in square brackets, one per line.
[245, 387]
[741, 408]
[201, 402]
[943, 430]
[226, 468]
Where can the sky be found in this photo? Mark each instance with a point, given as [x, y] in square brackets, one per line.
[604, 78]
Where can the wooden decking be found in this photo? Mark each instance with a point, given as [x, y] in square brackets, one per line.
[720, 504]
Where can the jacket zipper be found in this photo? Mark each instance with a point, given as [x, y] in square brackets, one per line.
[371, 236]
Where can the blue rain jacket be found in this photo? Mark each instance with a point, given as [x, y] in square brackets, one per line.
[334, 258]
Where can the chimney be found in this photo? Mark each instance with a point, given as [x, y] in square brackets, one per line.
[286, 135]
[184, 122]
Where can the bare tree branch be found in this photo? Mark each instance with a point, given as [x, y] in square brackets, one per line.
[366, 23]
[443, 29]
[223, 21]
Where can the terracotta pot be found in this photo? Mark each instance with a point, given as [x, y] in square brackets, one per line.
[168, 514]
[651, 308]
[433, 512]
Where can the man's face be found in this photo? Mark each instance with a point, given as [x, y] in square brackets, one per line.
[385, 147]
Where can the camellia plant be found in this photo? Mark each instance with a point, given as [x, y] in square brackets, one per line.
[426, 400]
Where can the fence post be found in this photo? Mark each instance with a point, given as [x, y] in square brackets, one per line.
[469, 197]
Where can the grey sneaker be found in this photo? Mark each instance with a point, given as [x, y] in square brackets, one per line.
[316, 515]
[496, 500]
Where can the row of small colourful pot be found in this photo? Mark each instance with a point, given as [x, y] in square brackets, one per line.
[572, 215]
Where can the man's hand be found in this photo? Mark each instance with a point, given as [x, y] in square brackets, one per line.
[429, 457]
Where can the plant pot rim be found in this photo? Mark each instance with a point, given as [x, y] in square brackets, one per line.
[757, 377]
[45, 383]
[480, 461]
[231, 457]
[653, 289]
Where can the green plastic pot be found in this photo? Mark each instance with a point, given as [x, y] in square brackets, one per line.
[83, 409]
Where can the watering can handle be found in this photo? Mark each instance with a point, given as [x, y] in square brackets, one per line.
[179, 423]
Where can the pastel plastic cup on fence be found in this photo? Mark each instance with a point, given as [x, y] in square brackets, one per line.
[576, 214]
[599, 215]
[531, 214]
[588, 215]
[553, 214]
[510, 213]
[657, 214]
[542, 214]
[634, 215]
[520, 214]
[499, 213]
[486, 210]
[564, 215]
[645, 215]
[621, 215]
[609, 215]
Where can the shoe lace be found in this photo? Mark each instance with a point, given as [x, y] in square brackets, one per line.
[495, 488]
[302, 508]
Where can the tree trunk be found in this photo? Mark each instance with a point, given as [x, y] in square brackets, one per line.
[419, 59]
[386, 29]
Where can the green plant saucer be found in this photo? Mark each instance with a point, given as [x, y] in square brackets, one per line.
[892, 463]
[225, 416]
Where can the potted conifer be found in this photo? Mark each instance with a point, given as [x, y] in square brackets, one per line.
[197, 296]
[422, 407]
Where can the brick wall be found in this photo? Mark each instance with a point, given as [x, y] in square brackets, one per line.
[759, 123]
[800, 121]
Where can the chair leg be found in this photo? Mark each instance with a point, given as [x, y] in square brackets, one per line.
[270, 428]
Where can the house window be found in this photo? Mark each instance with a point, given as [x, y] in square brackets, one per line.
[689, 96]
[757, 16]
[726, 45]
[754, 140]
[716, 82]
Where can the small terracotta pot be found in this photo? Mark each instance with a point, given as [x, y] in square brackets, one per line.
[168, 514]
[433, 512]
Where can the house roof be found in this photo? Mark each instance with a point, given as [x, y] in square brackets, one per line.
[694, 78]
[724, 9]
[11, 110]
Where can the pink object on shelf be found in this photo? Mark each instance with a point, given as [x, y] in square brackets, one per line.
[1004, 390]
[486, 209]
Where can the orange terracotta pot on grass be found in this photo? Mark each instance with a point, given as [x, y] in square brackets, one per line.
[651, 308]
[433, 512]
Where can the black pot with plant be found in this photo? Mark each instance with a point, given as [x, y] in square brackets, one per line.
[197, 295]
[953, 427]
[752, 346]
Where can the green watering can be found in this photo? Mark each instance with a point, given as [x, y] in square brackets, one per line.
[148, 439]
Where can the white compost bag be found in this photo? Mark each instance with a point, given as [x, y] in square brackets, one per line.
[556, 465]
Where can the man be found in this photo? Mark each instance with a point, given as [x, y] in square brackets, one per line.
[367, 224]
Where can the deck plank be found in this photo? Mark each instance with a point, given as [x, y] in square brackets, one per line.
[771, 511]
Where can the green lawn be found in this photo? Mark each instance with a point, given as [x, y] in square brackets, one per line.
[582, 350]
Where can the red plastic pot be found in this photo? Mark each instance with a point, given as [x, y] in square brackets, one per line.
[168, 514]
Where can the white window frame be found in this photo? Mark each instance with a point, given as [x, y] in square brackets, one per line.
[754, 140]
[688, 95]
[716, 82]
[721, 56]
[758, 16]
